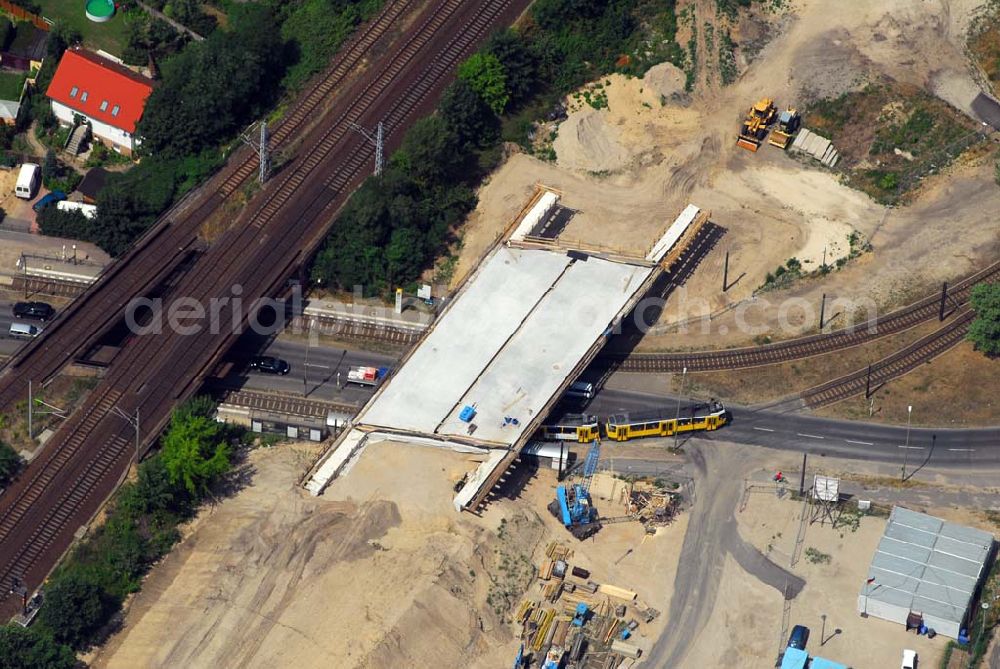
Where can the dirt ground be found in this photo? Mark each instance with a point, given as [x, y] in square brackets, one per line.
[772, 524]
[631, 167]
[378, 572]
[956, 389]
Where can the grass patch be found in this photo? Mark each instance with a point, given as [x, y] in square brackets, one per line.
[110, 36]
[11, 85]
[817, 557]
[890, 136]
[727, 58]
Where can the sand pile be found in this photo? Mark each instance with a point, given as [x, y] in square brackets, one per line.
[665, 79]
[587, 142]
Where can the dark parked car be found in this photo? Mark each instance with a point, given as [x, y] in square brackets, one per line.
[39, 311]
[51, 198]
[799, 637]
[269, 365]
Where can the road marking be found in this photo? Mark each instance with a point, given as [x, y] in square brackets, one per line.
[810, 436]
[860, 443]
[913, 448]
[963, 450]
[764, 429]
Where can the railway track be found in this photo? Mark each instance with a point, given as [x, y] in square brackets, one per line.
[173, 240]
[285, 404]
[901, 320]
[893, 366]
[264, 246]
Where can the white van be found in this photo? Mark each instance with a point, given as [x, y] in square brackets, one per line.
[24, 331]
[27, 181]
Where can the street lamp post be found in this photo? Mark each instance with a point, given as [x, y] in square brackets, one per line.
[822, 633]
[677, 418]
[906, 448]
[982, 628]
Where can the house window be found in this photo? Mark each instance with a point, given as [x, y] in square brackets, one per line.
[115, 110]
[83, 97]
[104, 105]
[74, 91]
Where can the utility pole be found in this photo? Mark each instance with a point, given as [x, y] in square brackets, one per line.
[677, 419]
[265, 159]
[305, 367]
[725, 274]
[906, 448]
[802, 477]
[377, 140]
[134, 422]
[868, 383]
[32, 401]
[944, 298]
[24, 267]
[259, 146]
[822, 312]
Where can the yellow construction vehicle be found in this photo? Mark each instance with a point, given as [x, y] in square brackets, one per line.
[752, 133]
[764, 110]
[754, 128]
[788, 125]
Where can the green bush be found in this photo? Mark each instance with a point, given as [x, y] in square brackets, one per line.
[75, 608]
[984, 331]
[31, 648]
[10, 463]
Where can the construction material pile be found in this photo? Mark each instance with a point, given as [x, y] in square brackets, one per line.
[570, 619]
[816, 146]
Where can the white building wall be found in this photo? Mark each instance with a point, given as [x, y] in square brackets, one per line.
[102, 130]
[898, 614]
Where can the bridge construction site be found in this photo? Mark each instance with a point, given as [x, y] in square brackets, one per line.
[520, 330]
[542, 463]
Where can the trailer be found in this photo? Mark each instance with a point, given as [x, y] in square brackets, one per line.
[366, 376]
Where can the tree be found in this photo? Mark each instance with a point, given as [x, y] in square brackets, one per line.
[487, 77]
[471, 119]
[29, 648]
[130, 203]
[430, 153]
[10, 463]
[74, 609]
[194, 452]
[984, 331]
[50, 167]
[519, 63]
[211, 89]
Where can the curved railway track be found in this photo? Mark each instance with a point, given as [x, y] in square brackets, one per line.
[893, 366]
[174, 238]
[86, 458]
[901, 320]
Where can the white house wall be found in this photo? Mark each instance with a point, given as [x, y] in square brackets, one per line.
[100, 129]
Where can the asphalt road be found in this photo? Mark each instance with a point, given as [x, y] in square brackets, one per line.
[830, 437]
[712, 534]
[8, 345]
[317, 378]
[316, 372]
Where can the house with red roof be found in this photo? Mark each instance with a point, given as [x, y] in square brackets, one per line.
[108, 95]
